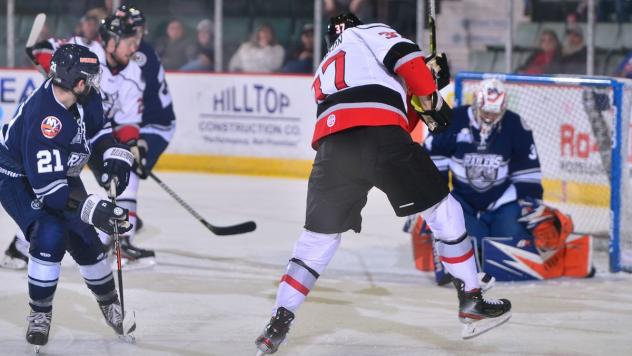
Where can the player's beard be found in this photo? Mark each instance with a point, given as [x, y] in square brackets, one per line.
[82, 98]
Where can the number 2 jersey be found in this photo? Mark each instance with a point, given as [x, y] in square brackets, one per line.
[360, 82]
[492, 171]
[48, 144]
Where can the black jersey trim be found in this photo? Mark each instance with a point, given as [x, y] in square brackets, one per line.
[396, 52]
[362, 94]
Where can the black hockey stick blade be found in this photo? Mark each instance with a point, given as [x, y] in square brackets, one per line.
[242, 228]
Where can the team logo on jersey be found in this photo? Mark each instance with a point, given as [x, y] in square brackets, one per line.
[36, 204]
[51, 127]
[481, 169]
[140, 58]
[331, 120]
[464, 136]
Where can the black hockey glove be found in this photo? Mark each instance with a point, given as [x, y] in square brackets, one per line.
[440, 69]
[117, 163]
[102, 214]
[435, 112]
[139, 149]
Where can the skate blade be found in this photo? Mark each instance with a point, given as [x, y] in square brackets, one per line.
[133, 265]
[36, 349]
[259, 353]
[12, 263]
[476, 328]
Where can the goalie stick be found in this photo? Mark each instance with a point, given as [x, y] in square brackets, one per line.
[242, 228]
[36, 30]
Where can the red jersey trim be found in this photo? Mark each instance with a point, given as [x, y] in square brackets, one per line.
[343, 119]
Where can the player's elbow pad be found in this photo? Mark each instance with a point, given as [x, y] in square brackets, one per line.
[418, 78]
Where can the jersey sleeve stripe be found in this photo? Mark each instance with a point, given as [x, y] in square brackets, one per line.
[50, 186]
[41, 196]
[397, 52]
[407, 58]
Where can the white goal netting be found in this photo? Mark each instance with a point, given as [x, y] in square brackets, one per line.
[575, 122]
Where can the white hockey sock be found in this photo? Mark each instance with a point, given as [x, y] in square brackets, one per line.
[21, 244]
[454, 246]
[312, 253]
[127, 200]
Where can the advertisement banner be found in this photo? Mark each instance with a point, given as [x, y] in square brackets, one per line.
[15, 87]
[268, 116]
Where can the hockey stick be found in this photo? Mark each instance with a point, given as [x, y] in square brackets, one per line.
[433, 29]
[242, 228]
[36, 30]
[117, 250]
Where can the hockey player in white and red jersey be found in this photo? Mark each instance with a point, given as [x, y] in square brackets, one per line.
[362, 141]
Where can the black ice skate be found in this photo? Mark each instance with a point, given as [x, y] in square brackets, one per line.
[122, 326]
[37, 331]
[136, 257]
[13, 258]
[478, 313]
[275, 332]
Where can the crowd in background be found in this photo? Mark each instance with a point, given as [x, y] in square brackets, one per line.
[185, 47]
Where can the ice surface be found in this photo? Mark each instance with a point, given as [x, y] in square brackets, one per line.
[212, 295]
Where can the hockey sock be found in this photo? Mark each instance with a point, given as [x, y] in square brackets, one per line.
[127, 200]
[42, 277]
[100, 281]
[312, 253]
[454, 246]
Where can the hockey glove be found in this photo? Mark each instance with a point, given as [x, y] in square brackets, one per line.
[139, 149]
[102, 214]
[117, 163]
[433, 111]
[440, 69]
[549, 226]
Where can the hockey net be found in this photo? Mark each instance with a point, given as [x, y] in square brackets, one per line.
[581, 128]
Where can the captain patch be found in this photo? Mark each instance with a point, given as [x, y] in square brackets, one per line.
[51, 126]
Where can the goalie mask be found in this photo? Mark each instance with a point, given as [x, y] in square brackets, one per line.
[490, 102]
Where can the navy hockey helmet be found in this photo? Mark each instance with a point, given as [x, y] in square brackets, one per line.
[137, 16]
[117, 26]
[338, 24]
[71, 63]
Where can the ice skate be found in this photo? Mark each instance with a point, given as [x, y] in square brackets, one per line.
[123, 326]
[13, 258]
[136, 257]
[478, 313]
[38, 328]
[486, 280]
[275, 332]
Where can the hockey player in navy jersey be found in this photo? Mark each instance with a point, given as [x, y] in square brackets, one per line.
[362, 141]
[44, 148]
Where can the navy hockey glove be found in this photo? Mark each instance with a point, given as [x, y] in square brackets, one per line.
[440, 69]
[139, 149]
[117, 163]
[102, 214]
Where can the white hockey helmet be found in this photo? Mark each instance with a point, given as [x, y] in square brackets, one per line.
[490, 102]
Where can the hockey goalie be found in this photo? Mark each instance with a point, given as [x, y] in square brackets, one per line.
[489, 156]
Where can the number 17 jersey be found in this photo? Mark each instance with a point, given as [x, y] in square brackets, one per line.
[356, 83]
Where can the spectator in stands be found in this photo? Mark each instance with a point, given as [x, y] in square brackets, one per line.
[302, 61]
[261, 54]
[203, 56]
[545, 60]
[174, 49]
[89, 28]
[363, 9]
[574, 52]
[624, 69]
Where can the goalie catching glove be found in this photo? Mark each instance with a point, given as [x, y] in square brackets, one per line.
[549, 226]
[435, 112]
[102, 214]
